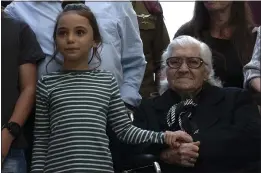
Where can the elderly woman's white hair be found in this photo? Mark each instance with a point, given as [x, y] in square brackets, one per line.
[205, 54]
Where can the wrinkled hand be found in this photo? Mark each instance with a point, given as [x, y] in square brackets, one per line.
[7, 140]
[174, 139]
[185, 155]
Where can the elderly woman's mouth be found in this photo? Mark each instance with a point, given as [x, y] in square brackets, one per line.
[184, 78]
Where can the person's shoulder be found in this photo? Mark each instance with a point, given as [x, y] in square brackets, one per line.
[9, 20]
[17, 7]
[233, 90]
[236, 94]
[122, 4]
[185, 29]
[52, 76]
[116, 5]
[22, 5]
[122, 8]
[104, 74]
[13, 24]
[25, 9]
[158, 101]
[229, 97]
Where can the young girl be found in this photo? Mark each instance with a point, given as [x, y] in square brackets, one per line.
[74, 105]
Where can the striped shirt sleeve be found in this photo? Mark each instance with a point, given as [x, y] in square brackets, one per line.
[122, 125]
[41, 129]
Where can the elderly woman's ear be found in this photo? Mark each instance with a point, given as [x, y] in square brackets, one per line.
[206, 76]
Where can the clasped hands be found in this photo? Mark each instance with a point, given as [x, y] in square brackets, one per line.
[182, 151]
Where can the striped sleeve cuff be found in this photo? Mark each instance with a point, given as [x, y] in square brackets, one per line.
[160, 138]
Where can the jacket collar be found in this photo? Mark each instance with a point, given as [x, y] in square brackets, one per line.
[206, 114]
[210, 95]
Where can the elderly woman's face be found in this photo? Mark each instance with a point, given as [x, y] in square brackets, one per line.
[186, 71]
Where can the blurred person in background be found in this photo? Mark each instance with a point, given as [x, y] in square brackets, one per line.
[252, 71]
[155, 39]
[20, 54]
[256, 10]
[5, 3]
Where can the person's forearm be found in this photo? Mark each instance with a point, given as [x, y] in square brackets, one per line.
[23, 106]
[169, 156]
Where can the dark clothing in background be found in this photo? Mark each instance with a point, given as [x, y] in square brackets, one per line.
[226, 63]
[19, 46]
[229, 130]
[256, 11]
[155, 40]
[5, 3]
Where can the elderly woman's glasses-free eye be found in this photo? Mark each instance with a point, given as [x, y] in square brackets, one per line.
[192, 62]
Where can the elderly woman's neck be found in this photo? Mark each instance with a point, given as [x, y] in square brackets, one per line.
[188, 94]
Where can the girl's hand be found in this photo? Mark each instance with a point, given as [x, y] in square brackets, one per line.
[174, 139]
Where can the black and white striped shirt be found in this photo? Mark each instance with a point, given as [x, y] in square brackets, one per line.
[72, 110]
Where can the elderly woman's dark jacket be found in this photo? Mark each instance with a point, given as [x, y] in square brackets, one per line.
[229, 129]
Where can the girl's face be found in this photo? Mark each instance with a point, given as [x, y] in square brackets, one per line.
[74, 37]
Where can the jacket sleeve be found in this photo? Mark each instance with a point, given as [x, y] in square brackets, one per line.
[31, 51]
[252, 69]
[133, 59]
[237, 142]
[41, 129]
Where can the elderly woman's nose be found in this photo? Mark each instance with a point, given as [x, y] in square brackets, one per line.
[183, 67]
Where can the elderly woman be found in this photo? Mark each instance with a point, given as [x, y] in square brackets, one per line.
[223, 122]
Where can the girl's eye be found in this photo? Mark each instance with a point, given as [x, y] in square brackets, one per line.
[62, 33]
[80, 32]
